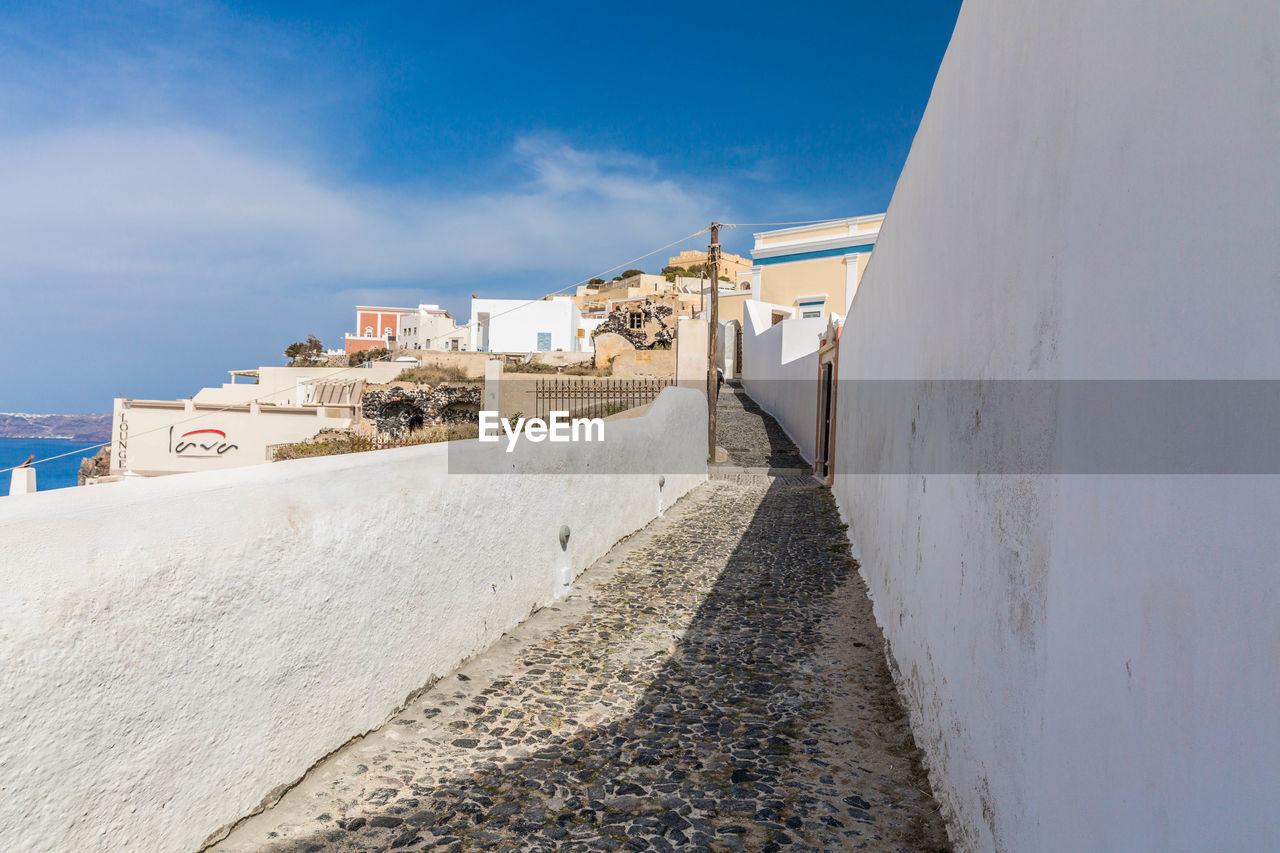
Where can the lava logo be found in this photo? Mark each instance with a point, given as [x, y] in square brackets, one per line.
[202, 446]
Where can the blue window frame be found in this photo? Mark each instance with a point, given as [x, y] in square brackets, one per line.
[544, 342]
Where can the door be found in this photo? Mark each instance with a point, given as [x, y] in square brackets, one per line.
[826, 393]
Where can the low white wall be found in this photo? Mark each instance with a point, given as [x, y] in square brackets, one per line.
[173, 649]
[1091, 662]
[152, 439]
[780, 371]
[279, 385]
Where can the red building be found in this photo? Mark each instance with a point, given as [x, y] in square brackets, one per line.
[375, 327]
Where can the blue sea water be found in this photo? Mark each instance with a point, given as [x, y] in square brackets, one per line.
[56, 474]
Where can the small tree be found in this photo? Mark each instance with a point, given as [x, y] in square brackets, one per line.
[305, 352]
[312, 349]
[630, 273]
[594, 282]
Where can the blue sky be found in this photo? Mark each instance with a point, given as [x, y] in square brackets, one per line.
[187, 188]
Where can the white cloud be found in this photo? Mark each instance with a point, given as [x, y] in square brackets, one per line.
[167, 209]
[164, 207]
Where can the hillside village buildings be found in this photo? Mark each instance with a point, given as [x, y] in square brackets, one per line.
[731, 266]
[647, 305]
[690, 292]
[426, 327]
[808, 271]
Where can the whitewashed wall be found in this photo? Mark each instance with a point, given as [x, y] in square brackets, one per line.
[1091, 662]
[174, 649]
[780, 370]
[514, 324]
[279, 385]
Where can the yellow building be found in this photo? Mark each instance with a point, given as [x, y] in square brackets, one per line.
[730, 264]
[596, 298]
[813, 269]
[690, 293]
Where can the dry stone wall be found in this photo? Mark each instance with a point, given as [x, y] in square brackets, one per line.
[397, 411]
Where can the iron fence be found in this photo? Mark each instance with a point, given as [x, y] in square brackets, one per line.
[594, 398]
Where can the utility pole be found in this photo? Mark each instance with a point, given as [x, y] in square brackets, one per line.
[713, 338]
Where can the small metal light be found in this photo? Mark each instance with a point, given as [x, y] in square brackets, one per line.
[564, 537]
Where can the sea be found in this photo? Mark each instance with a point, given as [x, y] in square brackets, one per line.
[55, 474]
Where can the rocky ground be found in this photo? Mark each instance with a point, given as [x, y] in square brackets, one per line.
[717, 682]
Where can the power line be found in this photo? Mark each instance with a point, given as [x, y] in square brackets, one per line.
[771, 224]
[261, 397]
[600, 274]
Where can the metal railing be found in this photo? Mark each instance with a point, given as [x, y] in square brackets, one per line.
[594, 398]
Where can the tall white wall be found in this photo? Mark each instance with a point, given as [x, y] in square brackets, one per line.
[780, 370]
[1091, 662]
[174, 649]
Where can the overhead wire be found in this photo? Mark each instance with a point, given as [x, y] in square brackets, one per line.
[774, 224]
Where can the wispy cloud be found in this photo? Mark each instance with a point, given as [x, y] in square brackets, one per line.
[178, 180]
[160, 206]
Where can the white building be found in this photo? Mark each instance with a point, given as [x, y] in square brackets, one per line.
[430, 328]
[518, 325]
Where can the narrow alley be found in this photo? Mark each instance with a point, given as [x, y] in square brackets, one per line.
[716, 682]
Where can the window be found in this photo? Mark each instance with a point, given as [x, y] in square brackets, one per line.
[636, 320]
[544, 342]
[811, 307]
[368, 331]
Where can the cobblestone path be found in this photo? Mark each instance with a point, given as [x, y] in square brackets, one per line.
[716, 682]
[752, 438]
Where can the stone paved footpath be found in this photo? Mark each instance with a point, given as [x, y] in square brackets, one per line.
[717, 682]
